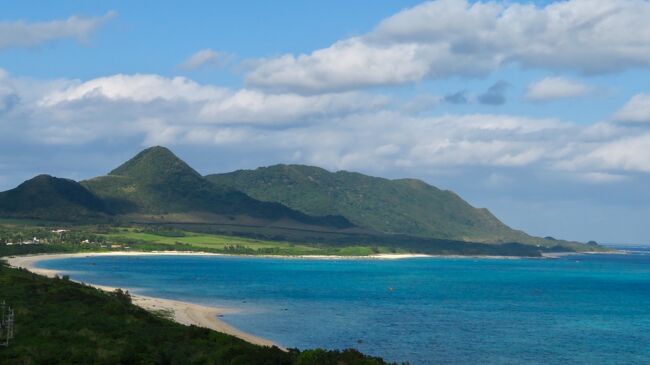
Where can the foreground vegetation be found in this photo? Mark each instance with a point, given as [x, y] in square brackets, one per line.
[62, 322]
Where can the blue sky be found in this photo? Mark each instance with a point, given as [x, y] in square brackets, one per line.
[539, 110]
[156, 36]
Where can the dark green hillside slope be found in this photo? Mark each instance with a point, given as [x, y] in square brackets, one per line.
[47, 197]
[405, 206]
[62, 322]
[157, 182]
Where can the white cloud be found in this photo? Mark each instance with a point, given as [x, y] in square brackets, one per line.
[637, 110]
[137, 88]
[205, 57]
[455, 37]
[555, 88]
[628, 154]
[601, 177]
[350, 130]
[206, 104]
[251, 106]
[348, 62]
[25, 34]
[157, 131]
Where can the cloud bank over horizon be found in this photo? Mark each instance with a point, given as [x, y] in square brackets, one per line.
[348, 130]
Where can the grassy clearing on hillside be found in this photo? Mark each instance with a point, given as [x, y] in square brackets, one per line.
[178, 239]
[86, 238]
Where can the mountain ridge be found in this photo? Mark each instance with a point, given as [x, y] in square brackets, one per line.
[295, 203]
[156, 182]
[400, 206]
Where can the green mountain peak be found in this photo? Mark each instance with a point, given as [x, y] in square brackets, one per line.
[157, 182]
[155, 162]
[49, 197]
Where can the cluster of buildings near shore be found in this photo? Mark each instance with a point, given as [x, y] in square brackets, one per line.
[61, 234]
[34, 240]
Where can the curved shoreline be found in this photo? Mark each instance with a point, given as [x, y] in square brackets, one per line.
[182, 312]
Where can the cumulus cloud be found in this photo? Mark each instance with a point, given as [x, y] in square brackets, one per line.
[555, 88]
[386, 140]
[349, 130]
[137, 88]
[637, 110]
[346, 130]
[252, 106]
[157, 108]
[208, 104]
[631, 153]
[205, 58]
[344, 65]
[456, 37]
[26, 34]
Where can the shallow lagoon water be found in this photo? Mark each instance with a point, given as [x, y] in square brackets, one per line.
[586, 309]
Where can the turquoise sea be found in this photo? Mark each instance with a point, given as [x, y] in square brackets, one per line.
[585, 309]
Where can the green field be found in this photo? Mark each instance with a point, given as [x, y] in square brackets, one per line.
[85, 238]
[149, 240]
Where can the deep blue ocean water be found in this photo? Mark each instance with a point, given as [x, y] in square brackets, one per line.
[586, 309]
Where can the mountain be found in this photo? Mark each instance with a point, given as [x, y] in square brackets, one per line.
[48, 197]
[404, 206]
[156, 182]
[292, 203]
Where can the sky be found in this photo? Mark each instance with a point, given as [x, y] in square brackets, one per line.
[537, 110]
